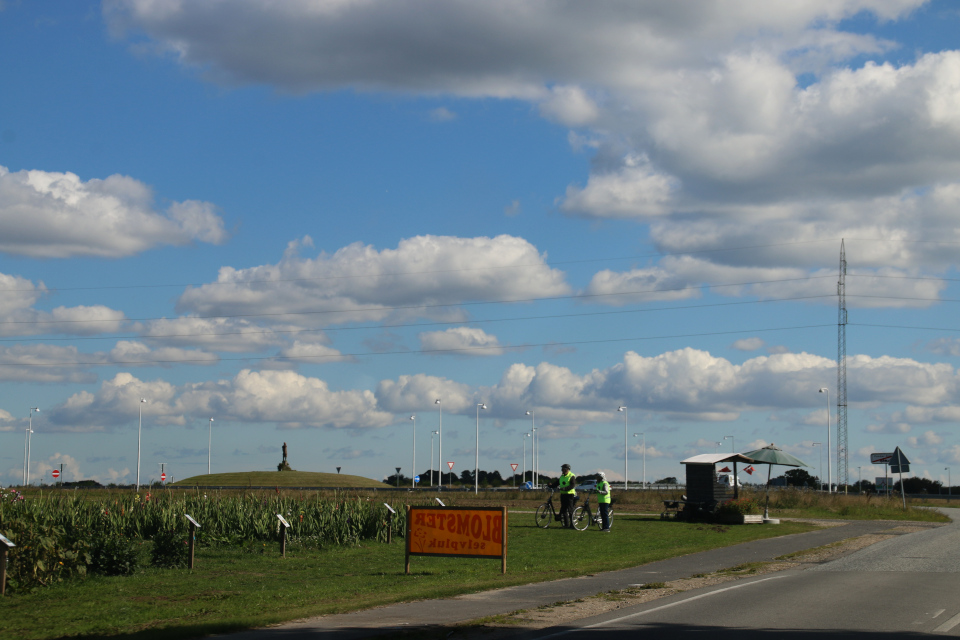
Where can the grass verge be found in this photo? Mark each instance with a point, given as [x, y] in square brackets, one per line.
[237, 588]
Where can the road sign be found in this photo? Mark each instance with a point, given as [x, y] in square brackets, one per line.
[56, 473]
[514, 465]
[450, 466]
[416, 479]
[881, 458]
[898, 457]
[899, 468]
[163, 477]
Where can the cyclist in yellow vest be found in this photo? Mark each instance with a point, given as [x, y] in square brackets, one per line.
[566, 484]
[603, 500]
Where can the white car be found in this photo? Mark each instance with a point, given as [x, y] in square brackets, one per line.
[727, 479]
[587, 485]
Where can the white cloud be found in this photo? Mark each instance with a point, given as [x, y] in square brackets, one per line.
[463, 341]
[634, 190]
[569, 105]
[57, 215]
[748, 344]
[236, 335]
[359, 283]
[442, 114]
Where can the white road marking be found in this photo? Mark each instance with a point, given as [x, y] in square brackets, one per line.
[949, 624]
[938, 612]
[667, 606]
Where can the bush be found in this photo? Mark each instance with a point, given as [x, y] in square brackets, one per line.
[741, 507]
[44, 554]
[170, 549]
[115, 556]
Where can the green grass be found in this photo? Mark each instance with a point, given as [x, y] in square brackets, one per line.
[279, 479]
[233, 588]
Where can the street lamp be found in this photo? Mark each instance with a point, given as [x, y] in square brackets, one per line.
[139, 429]
[209, 444]
[859, 480]
[644, 435]
[717, 447]
[523, 470]
[440, 441]
[476, 469]
[413, 476]
[733, 443]
[829, 476]
[626, 447]
[820, 470]
[26, 447]
[432, 433]
[535, 467]
[947, 469]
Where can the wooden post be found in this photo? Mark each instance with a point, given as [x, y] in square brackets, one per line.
[406, 545]
[3, 569]
[503, 538]
[193, 539]
[389, 527]
[283, 542]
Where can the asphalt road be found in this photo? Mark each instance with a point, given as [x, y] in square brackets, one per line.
[907, 586]
[429, 613]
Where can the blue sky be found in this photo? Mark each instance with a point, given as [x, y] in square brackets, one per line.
[310, 222]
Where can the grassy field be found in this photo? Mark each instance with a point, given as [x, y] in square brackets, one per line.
[234, 588]
[279, 479]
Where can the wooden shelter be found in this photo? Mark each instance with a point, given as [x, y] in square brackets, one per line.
[703, 490]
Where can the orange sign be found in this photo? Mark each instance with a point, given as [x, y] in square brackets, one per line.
[459, 532]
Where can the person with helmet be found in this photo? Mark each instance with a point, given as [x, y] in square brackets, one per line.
[603, 500]
[567, 485]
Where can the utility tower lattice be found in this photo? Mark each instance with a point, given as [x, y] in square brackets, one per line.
[842, 466]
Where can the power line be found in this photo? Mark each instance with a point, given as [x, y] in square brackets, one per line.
[579, 296]
[554, 316]
[340, 356]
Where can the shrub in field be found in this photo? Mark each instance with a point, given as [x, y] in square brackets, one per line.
[44, 554]
[741, 507]
[113, 555]
[170, 549]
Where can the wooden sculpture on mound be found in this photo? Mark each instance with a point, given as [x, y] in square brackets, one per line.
[284, 465]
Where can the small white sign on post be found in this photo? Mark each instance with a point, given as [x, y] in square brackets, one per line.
[881, 458]
[450, 466]
[283, 521]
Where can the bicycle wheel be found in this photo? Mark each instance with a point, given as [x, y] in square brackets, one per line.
[544, 516]
[581, 518]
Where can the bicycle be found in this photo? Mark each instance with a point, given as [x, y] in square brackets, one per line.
[547, 513]
[584, 516]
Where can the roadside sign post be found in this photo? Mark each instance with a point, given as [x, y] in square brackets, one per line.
[283, 535]
[513, 465]
[4, 545]
[450, 468]
[194, 525]
[389, 523]
[884, 459]
[456, 532]
[899, 464]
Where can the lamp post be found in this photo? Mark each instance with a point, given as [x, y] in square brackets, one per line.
[717, 448]
[533, 454]
[820, 468]
[209, 444]
[523, 469]
[139, 429]
[733, 443]
[859, 480]
[829, 476]
[644, 436]
[432, 433]
[29, 439]
[626, 447]
[476, 468]
[413, 475]
[440, 441]
[947, 469]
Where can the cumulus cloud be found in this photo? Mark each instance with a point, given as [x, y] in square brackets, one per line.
[18, 317]
[285, 398]
[57, 215]
[748, 344]
[464, 341]
[634, 190]
[360, 283]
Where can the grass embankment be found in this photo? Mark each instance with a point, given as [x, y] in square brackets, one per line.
[280, 479]
[235, 588]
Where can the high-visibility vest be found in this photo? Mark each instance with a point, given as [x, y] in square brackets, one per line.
[567, 483]
[603, 498]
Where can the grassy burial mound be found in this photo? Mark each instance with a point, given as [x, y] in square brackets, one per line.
[280, 479]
